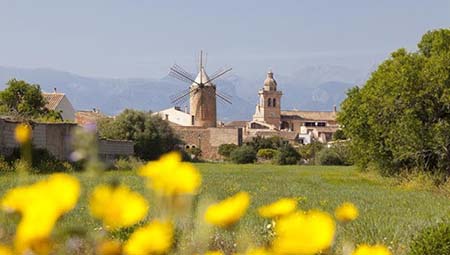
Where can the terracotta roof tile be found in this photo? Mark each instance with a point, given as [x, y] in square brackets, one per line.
[311, 115]
[52, 100]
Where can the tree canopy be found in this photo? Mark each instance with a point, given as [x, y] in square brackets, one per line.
[400, 119]
[24, 100]
[152, 135]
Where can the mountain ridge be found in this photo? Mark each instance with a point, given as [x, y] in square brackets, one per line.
[316, 91]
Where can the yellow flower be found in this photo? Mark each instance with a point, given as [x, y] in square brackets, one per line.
[155, 238]
[170, 176]
[304, 233]
[109, 247]
[5, 250]
[371, 250]
[43, 202]
[228, 211]
[279, 208]
[346, 212]
[23, 133]
[117, 206]
[213, 253]
[258, 251]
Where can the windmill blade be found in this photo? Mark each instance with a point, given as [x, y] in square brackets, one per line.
[218, 72]
[223, 98]
[179, 75]
[191, 91]
[218, 75]
[183, 71]
[227, 96]
[172, 97]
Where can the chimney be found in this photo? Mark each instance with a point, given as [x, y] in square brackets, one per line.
[54, 90]
[334, 108]
[185, 109]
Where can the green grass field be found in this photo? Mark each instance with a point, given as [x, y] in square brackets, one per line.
[388, 214]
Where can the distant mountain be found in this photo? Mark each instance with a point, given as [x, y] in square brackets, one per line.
[311, 88]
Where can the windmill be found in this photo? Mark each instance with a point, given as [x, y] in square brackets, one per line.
[201, 93]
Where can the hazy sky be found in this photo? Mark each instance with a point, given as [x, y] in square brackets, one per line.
[132, 38]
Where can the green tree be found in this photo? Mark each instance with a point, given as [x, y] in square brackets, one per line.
[339, 135]
[401, 117]
[24, 100]
[152, 135]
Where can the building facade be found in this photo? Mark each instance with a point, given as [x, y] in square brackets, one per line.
[305, 126]
[60, 103]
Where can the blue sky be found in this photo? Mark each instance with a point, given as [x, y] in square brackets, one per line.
[136, 38]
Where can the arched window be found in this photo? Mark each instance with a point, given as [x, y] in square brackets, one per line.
[269, 102]
[274, 102]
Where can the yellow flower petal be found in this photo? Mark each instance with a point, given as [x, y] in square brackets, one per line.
[346, 212]
[170, 176]
[117, 206]
[22, 133]
[304, 233]
[279, 208]
[372, 250]
[228, 211]
[155, 238]
[40, 204]
[213, 253]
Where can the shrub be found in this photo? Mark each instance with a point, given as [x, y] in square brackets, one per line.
[287, 155]
[259, 142]
[4, 165]
[432, 240]
[127, 163]
[194, 153]
[243, 155]
[226, 149]
[337, 154]
[328, 156]
[267, 154]
[308, 152]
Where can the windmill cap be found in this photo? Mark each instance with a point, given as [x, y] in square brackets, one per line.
[202, 77]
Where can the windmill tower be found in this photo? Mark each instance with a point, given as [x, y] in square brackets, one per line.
[202, 94]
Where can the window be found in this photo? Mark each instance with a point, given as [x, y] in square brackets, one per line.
[269, 102]
[321, 124]
[310, 124]
[274, 102]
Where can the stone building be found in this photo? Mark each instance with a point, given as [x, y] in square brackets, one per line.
[305, 126]
[60, 103]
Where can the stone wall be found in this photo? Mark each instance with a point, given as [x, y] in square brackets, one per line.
[209, 139]
[112, 149]
[57, 139]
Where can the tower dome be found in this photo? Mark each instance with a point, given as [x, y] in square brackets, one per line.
[270, 83]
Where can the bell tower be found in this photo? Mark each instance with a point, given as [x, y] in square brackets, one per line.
[268, 109]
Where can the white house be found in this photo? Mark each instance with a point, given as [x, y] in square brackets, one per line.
[177, 116]
[59, 102]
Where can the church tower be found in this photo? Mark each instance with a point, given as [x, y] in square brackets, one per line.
[268, 109]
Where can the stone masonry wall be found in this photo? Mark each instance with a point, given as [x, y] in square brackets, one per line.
[209, 139]
[57, 139]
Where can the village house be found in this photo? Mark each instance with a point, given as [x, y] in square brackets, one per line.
[60, 103]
